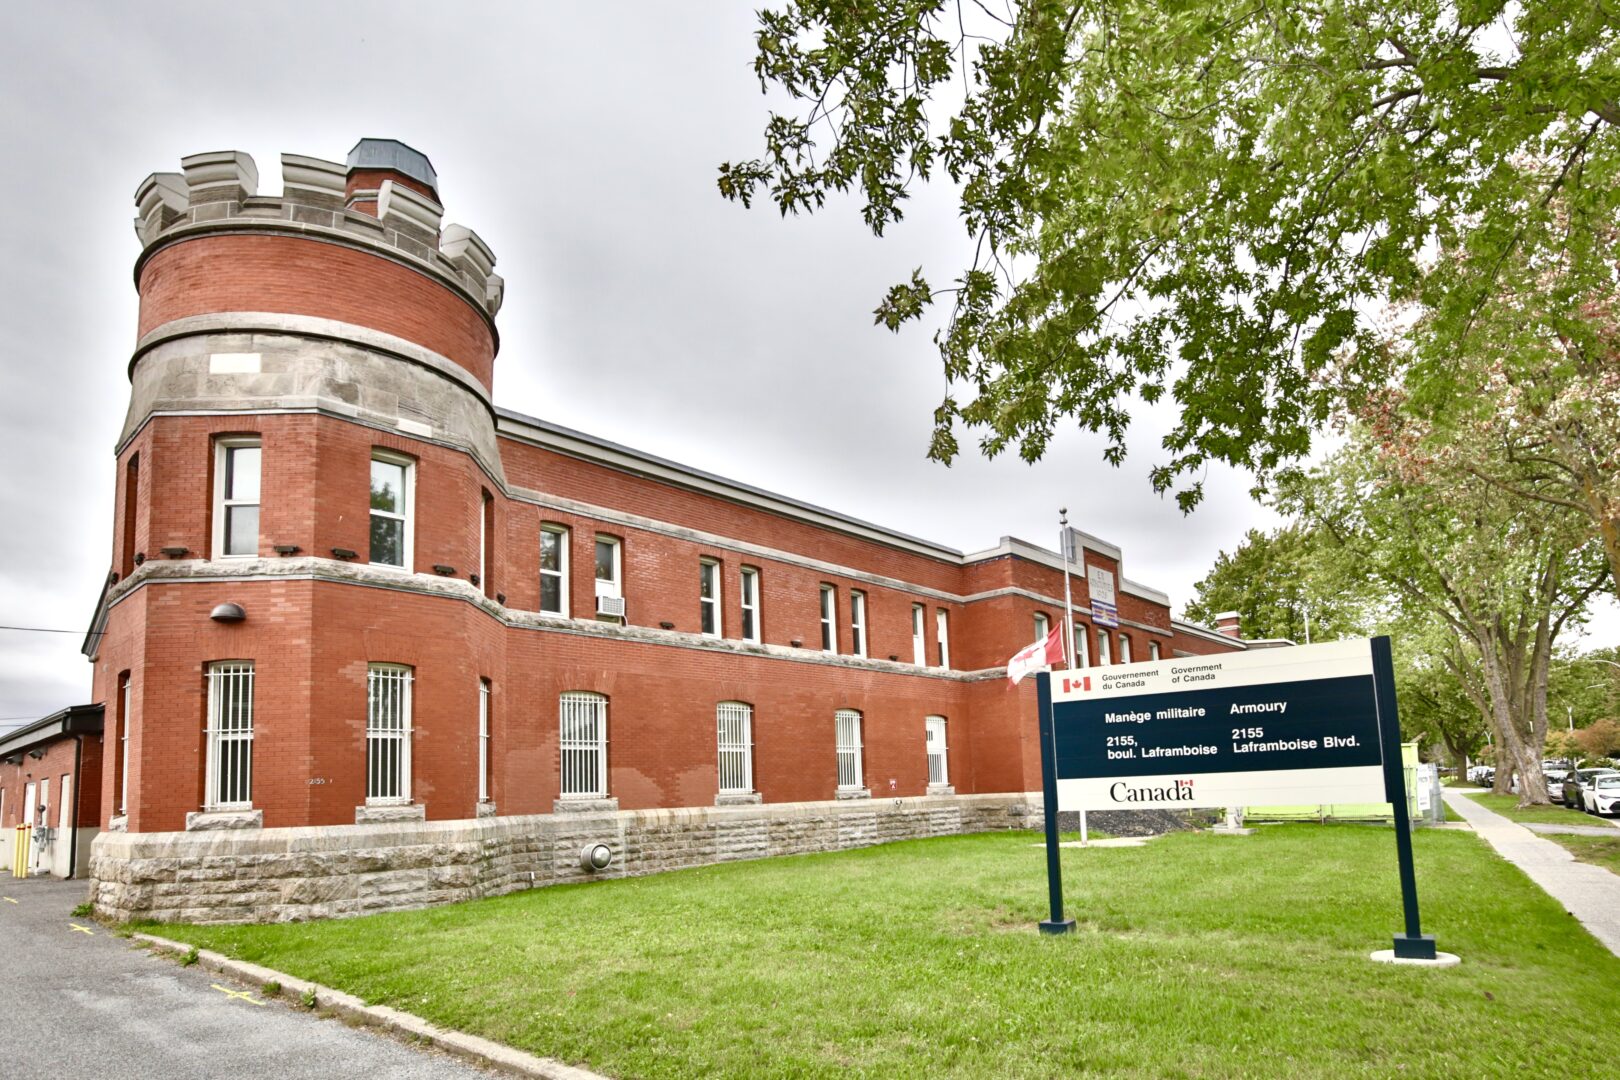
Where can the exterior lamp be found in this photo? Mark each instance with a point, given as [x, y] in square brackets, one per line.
[228, 613]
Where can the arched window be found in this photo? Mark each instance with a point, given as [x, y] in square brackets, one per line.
[734, 722]
[584, 745]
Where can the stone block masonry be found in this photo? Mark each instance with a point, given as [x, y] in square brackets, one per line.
[292, 874]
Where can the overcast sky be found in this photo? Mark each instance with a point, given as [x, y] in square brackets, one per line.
[581, 141]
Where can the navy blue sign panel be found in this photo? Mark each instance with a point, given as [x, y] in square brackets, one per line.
[1314, 724]
[1267, 727]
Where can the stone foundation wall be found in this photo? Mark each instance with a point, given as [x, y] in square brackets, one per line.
[280, 875]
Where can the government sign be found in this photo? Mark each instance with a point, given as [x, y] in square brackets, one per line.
[1266, 727]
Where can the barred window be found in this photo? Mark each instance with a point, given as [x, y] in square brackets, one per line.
[735, 722]
[938, 765]
[388, 735]
[483, 740]
[848, 723]
[584, 745]
[230, 735]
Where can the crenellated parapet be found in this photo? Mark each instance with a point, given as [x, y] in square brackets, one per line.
[383, 200]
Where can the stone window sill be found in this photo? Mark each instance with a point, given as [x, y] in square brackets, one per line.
[373, 815]
[204, 820]
[854, 793]
[739, 798]
[941, 789]
[585, 806]
[486, 808]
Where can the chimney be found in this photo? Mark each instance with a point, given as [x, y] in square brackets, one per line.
[1228, 623]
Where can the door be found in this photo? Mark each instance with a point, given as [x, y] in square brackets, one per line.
[26, 816]
[42, 825]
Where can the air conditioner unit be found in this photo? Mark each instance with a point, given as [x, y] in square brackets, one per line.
[610, 605]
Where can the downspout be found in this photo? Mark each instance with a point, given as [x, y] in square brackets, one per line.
[78, 797]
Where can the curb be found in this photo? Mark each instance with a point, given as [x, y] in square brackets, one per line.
[479, 1050]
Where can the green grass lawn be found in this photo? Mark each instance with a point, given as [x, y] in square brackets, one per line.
[1196, 956]
[1508, 807]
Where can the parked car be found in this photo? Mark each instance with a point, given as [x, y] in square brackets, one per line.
[1603, 797]
[1576, 783]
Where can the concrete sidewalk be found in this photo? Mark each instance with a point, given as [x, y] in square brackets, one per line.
[1590, 893]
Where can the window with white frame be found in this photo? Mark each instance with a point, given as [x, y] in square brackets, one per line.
[229, 768]
[857, 622]
[554, 569]
[829, 624]
[748, 589]
[938, 764]
[391, 509]
[123, 743]
[584, 745]
[483, 740]
[709, 597]
[942, 627]
[1042, 627]
[919, 637]
[848, 724]
[486, 543]
[1124, 648]
[388, 735]
[1103, 659]
[1153, 650]
[735, 723]
[236, 498]
[609, 578]
[1082, 646]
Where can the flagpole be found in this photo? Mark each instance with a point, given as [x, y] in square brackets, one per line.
[1068, 615]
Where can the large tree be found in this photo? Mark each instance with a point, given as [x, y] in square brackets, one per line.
[1278, 587]
[1195, 198]
[1508, 578]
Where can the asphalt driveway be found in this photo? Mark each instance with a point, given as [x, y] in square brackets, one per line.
[79, 1001]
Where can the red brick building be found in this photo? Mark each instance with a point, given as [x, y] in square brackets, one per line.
[349, 589]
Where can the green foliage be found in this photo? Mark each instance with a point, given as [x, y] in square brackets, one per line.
[84, 911]
[271, 989]
[1272, 580]
[189, 957]
[1194, 199]
[307, 999]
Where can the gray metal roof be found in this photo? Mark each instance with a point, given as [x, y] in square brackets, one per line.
[395, 155]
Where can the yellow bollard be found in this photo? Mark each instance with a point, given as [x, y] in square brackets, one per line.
[20, 852]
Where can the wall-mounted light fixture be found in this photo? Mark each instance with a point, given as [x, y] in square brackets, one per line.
[140, 557]
[287, 549]
[500, 598]
[595, 857]
[443, 570]
[175, 552]
[797, 643]
[474, 579]
[227, 612]
[36, 754]
[666, 625]
[342, 553]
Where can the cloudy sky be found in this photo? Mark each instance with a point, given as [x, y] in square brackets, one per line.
[581, 141]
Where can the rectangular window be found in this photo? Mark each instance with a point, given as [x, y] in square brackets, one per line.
[709, 597]
[857, 622]
[1153, 650]
[1082, 646]
[388, 735]
[1124, 649]
[584, 745]
[1103, 659]
[829, 624]
[735, 722]
[236, 498]
[1042, 627]
[483, 740]
[486, 544]
[132, 495]
[230, 735]
[942, 625]
[554, 569]
[938, 766]
[123, 744]
[748, 585]
[919, 637]
[392, 477]
[848, 723]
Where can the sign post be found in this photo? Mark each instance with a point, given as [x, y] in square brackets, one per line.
[1305, 724]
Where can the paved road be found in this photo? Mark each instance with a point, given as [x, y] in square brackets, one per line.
[1590, 893]
[92, 1006]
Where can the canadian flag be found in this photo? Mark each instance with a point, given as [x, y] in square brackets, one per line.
[1041, 655]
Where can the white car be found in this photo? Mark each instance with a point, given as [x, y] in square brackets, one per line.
[1603, 797]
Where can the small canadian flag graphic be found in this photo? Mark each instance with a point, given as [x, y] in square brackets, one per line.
[1082, 683]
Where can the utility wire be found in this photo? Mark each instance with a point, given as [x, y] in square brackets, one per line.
[43, 630]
